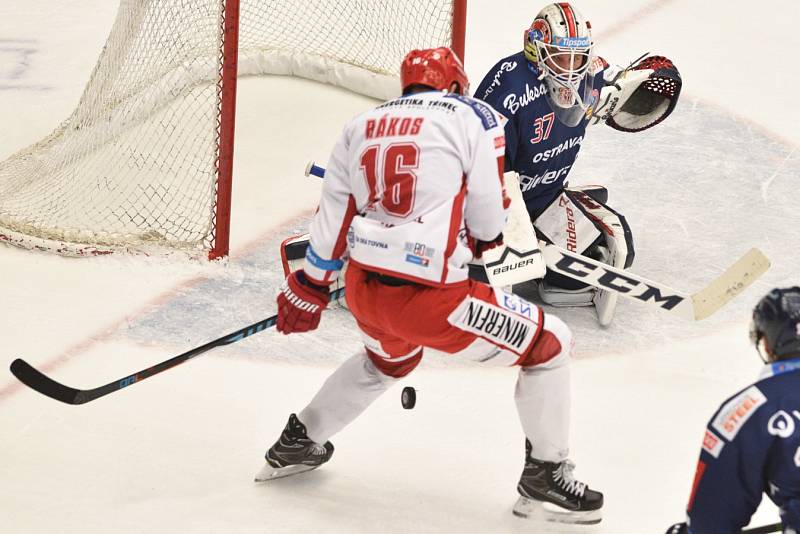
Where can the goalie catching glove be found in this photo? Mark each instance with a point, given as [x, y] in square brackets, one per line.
[300, 304]
[640, 96]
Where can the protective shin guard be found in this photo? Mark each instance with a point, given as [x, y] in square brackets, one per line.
[543, 403]
[344, 395]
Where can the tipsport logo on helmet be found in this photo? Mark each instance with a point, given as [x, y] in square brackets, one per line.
[572, 42]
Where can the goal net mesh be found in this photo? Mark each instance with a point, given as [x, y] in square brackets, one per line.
[135, 167]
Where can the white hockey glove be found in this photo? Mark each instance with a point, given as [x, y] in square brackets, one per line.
[640, 96]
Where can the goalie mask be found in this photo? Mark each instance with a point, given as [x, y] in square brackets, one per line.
[559, 45]
[775, 329]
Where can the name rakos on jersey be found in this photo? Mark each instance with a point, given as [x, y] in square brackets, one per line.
[407, 183]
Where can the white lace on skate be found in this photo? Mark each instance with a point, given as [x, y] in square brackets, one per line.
[317, 450]
[563, 477]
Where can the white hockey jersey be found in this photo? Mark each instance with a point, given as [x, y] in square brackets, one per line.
[408, 186]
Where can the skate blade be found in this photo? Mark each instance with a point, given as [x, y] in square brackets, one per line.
[544, 511]
[268, 472]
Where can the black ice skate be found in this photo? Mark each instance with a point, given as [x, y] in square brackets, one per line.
[293, 453]
[549, 492]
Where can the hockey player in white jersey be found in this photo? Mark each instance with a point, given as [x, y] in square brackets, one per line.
[413, 191]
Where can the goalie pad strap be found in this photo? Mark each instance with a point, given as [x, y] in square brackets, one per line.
[610, 223]
[566, 225]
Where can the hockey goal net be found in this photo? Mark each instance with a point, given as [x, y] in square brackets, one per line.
[144, 161]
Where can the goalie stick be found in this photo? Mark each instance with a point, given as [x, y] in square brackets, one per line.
[38, 381]
[776, 527]
[694, 306]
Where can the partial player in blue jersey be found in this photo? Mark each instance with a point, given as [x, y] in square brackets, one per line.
[550, 92]
[752, 443]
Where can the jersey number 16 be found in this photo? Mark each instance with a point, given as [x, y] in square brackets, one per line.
[394, 188]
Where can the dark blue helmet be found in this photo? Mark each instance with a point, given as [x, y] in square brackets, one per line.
[776, 322]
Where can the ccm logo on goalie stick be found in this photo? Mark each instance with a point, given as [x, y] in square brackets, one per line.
[616, 282]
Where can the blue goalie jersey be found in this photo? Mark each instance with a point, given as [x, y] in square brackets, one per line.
[538, 146]
[751, 446]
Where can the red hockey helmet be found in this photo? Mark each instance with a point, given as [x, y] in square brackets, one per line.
[433, 67]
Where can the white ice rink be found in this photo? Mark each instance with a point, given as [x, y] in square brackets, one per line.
[177, 452]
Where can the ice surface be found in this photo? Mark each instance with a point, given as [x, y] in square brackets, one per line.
[177, 453]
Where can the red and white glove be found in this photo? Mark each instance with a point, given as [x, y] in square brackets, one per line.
[300, 304]
[482, 246]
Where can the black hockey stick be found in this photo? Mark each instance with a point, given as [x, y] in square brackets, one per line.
[45, 385]
[777, 527]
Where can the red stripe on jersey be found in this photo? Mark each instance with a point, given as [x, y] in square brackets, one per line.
[698, 474]
[341, 240]
[544, 347]
[392, 368]
[456, 215]
[570, 16]
[501, 167]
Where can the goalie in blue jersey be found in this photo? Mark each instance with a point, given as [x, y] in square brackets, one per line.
[550, 92]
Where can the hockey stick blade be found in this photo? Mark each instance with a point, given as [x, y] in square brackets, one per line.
[42, 383]
[730, 283]
[775, 527]
[38, 381]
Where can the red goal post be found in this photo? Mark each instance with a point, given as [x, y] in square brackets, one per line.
[145, 161]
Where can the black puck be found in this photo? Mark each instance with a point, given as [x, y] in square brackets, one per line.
[408, 398]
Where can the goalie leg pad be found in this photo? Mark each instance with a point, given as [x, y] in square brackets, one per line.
[614, 229]
[580, 222]
[564, 224]
[562, 297]
[615, 249]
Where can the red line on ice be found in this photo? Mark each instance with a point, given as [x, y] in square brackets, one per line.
[107, 331]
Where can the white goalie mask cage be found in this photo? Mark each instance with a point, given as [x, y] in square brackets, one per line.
[559, 44]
